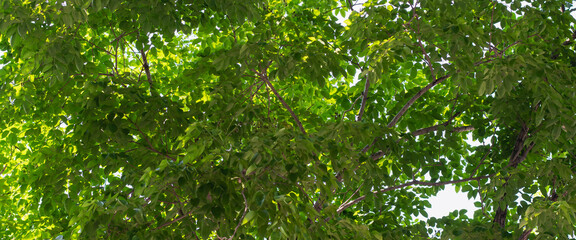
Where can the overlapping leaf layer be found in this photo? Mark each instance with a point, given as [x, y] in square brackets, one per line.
[286, 119]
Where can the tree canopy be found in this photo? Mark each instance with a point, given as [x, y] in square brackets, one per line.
[285, 119]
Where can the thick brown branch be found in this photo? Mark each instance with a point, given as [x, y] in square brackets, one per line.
[296, 119]
[364, 99]
[146, 68]
[525, 153]
[414, 98]
[525, 234]
[516, 158]
[346, 205]
[500, 216]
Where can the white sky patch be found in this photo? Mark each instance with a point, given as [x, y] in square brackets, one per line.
[447, 201]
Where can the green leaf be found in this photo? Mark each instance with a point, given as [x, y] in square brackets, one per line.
[249, 216]
[163, 165]
[250, 169]
[482, 88]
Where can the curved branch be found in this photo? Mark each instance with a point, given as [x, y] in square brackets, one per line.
[346, 205]
[413, 99]
[350, 109]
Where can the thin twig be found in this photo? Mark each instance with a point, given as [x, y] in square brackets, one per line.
[115, 68]
[426, 56]
[60, 89]
[150, 146]
[413, 99]
[243, 214]
[491, 44]
[344, 206]
[96, 46]
[417, 33]
[175, 220]
[479, 187]
[358, 189]
[482, 200]
[350, 109]
[482, 161]
[435, 127]
[264, 78]
[518, 146]
[364, 99]
[122, 35]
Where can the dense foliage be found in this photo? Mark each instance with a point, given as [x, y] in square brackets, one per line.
[285, 119]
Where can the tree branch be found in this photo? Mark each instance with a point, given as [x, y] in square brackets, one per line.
[515, 159]
[351, 107]
[346, 205]
[243, 214]
[435, 128]
[264, 78]
[525, 234]
[364, 99]
[173, 221]
[379, 154]
[518, 146]
[414, 98]
[96, 46]
[122, 35]
[426, 57]
[161, 154]
[150, 147]
[146, 68]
